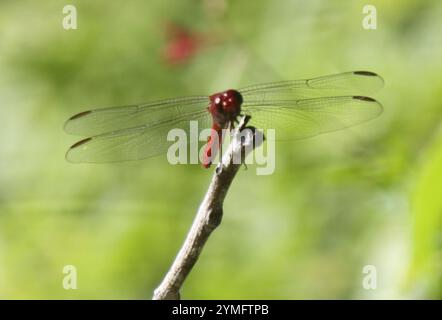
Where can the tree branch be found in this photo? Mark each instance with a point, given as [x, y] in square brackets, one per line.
[210, 211]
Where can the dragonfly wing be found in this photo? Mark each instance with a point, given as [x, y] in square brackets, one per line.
[343, 84]
[133, 143]
[299, 119]
[99, 121]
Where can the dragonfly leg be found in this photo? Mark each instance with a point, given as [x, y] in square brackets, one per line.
[220, 153]
[219, 168]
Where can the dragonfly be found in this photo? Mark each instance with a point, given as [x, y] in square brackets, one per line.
[295, 109]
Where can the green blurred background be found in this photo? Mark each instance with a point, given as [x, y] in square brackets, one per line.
[369, 195]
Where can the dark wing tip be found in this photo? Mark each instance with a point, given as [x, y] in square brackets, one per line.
[68, 155]
[79, 143]
[366, 73]
[79, 115]
[363, 98]
[67, 124]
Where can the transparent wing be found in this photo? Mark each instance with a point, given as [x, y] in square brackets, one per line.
[134, 143]
[343, 84]
[99, 121]
[297, 119]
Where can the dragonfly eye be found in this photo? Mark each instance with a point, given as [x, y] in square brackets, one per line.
[233, 97]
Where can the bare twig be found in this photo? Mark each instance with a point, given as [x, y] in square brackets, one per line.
[209, 213]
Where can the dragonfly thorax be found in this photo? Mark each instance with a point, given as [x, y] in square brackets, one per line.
[225, 106]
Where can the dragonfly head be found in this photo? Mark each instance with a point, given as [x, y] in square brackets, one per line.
[226, 105]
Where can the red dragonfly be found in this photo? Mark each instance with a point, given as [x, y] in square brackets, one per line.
[295, 109]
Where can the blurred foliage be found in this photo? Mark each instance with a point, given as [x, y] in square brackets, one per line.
[369, 195]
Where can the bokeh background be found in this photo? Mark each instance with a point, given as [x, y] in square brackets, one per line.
[369, 195]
